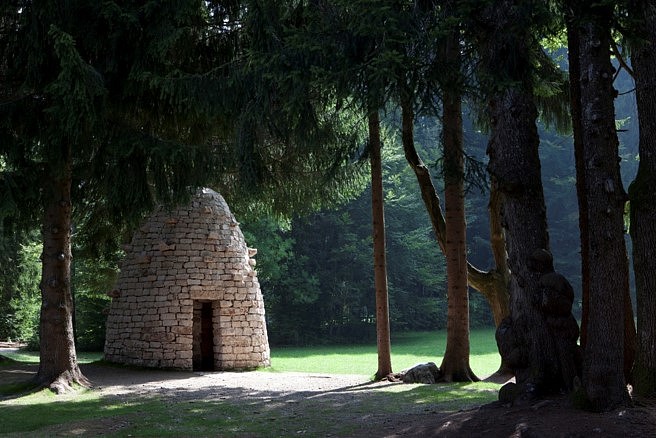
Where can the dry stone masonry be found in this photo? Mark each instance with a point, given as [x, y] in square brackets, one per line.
[187, 296]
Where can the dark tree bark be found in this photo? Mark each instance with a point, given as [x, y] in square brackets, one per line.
[571, 14]
[515, 170]
[603, 357]
[643, 200]
[58, 368]
[630, 336]
[538, 340]
[455, 362]
[380, 259]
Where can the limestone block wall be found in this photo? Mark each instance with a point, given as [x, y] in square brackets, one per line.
[187, 296]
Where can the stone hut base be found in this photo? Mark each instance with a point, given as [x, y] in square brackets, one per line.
[187, 296]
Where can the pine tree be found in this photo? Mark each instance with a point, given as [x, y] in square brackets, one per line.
[603, 360]
[455, 363]
[428, 78]
[94, 111]
[643, 197]
[538, 340]
[348, 49]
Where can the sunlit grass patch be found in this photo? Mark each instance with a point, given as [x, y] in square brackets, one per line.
[408, 349]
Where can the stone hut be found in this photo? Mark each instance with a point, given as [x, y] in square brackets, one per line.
[187, 296]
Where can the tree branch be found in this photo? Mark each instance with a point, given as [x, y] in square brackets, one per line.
[620, 58]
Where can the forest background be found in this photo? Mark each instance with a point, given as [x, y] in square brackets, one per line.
[315, 269]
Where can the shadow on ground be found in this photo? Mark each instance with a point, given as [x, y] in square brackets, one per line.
[139, 402]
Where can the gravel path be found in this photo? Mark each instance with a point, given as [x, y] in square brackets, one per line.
[111, 380]
[307, 403]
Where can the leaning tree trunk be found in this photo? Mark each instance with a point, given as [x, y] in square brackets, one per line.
[501, 278]
[455, 363]
[603, 357]
[58, 368]
[380, 262]
[501, 303]
[643, 201]
[538, 340]
[493, 285]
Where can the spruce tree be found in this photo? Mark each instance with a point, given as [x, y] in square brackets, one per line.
[603, 357]
[110, 108]
[538, 339]
[94, 110]
[455, 363]
[643, 197]
[339, 54]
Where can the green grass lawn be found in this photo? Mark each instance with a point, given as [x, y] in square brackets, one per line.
[407, 349]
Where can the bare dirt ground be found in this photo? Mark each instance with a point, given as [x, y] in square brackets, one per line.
[320, 403]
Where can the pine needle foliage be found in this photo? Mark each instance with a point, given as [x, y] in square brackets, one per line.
[100, 79]
[538, 70]
[157, 98]
[297, 145]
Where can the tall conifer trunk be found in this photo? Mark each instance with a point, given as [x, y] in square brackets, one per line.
[58, 367]
[380, 258]
[572, 16]
[643, 200]
[538, 340]
[515, 170]
[577, 130]
[603, 357]
[455, 363]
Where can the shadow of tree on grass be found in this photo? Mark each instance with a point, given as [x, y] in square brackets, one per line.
[160, 403]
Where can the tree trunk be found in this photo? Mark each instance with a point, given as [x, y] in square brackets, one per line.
[577, 131]
[58, 368]
[630, 336]
[515, 170]
[380, 262]
[603, 357]
[501, 309]
[493, 285]
[643, 201]
[573, 41]
[538, 340]
[455, 363]
[501, 271]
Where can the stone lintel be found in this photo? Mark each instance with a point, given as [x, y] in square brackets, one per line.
[205, 295]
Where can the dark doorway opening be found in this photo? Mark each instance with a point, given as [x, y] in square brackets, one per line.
[204, 342]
